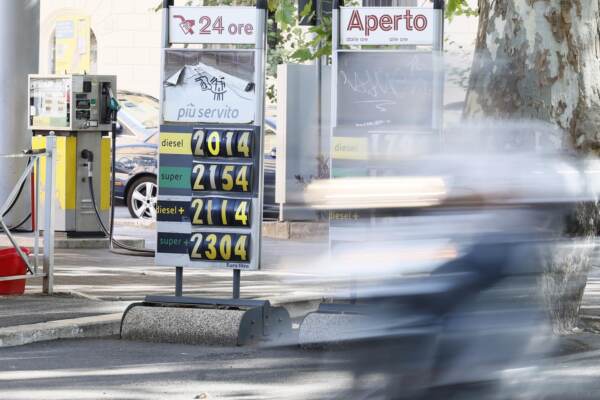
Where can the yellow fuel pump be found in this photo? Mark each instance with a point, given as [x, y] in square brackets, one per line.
[77, 110]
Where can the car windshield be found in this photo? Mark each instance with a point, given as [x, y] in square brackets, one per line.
[140, 108]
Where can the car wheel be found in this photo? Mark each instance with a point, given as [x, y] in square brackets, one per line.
[141, 198]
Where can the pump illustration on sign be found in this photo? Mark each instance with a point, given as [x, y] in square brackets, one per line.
[186, 25]
[201, 92]
[386, 26]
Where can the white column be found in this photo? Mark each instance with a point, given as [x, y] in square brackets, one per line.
[19, 49]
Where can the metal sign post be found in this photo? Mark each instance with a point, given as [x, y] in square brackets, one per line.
[209, 209]
[386, 107]
[386, 102]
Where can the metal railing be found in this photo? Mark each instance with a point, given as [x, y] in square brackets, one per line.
[32, 262]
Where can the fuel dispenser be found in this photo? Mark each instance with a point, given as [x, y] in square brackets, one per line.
[78, 110]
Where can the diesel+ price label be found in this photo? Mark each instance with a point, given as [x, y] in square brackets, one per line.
[220, 211]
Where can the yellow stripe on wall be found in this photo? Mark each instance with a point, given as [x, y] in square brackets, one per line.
[105, 173]
[66, 169]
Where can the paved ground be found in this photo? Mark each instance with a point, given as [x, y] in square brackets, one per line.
[31, 309]
[102, 274]
[590, 306]
[85, 277]
[114, 369]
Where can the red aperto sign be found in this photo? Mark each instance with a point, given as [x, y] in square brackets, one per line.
[386, 25]
[226, 25]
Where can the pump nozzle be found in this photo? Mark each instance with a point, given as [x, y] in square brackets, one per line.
[89, 156]
[113, 104]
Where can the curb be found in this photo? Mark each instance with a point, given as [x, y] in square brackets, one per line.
[96, 243]
[135, 223]
[95, 326]
[272, 229]
[590, 323]
[294, 230]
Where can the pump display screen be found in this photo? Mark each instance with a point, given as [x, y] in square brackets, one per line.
[49, 102]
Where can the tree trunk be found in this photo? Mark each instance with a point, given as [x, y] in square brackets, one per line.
[540, 59]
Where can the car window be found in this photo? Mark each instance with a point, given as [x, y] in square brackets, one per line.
[125, 130]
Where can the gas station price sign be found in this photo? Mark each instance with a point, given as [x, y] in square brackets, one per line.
[209, 205]
[210, 175]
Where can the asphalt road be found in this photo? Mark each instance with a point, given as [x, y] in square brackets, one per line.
[115, 369]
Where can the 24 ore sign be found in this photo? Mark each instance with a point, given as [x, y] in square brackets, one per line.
[235, 25]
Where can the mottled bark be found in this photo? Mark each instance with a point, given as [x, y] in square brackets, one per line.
[540, 59]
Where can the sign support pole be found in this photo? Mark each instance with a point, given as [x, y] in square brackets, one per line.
[344, 44]
[438, 69]
[201, 244]
[178, 281]
[237, 277]
[49, 216]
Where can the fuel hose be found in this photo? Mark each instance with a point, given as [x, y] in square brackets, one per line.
[125, 249]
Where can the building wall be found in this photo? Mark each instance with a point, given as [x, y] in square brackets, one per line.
[128, 35]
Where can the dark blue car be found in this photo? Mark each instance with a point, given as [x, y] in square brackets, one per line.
[136, 157]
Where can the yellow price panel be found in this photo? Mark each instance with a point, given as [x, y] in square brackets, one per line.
[221, 177]
[219, 142]
[214, 211]
[219, 246]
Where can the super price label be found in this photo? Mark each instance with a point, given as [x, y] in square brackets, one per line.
[221, 177]
[227, 25]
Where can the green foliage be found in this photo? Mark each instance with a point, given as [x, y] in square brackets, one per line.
[289, 42]
[459, 7]
[304, 44]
